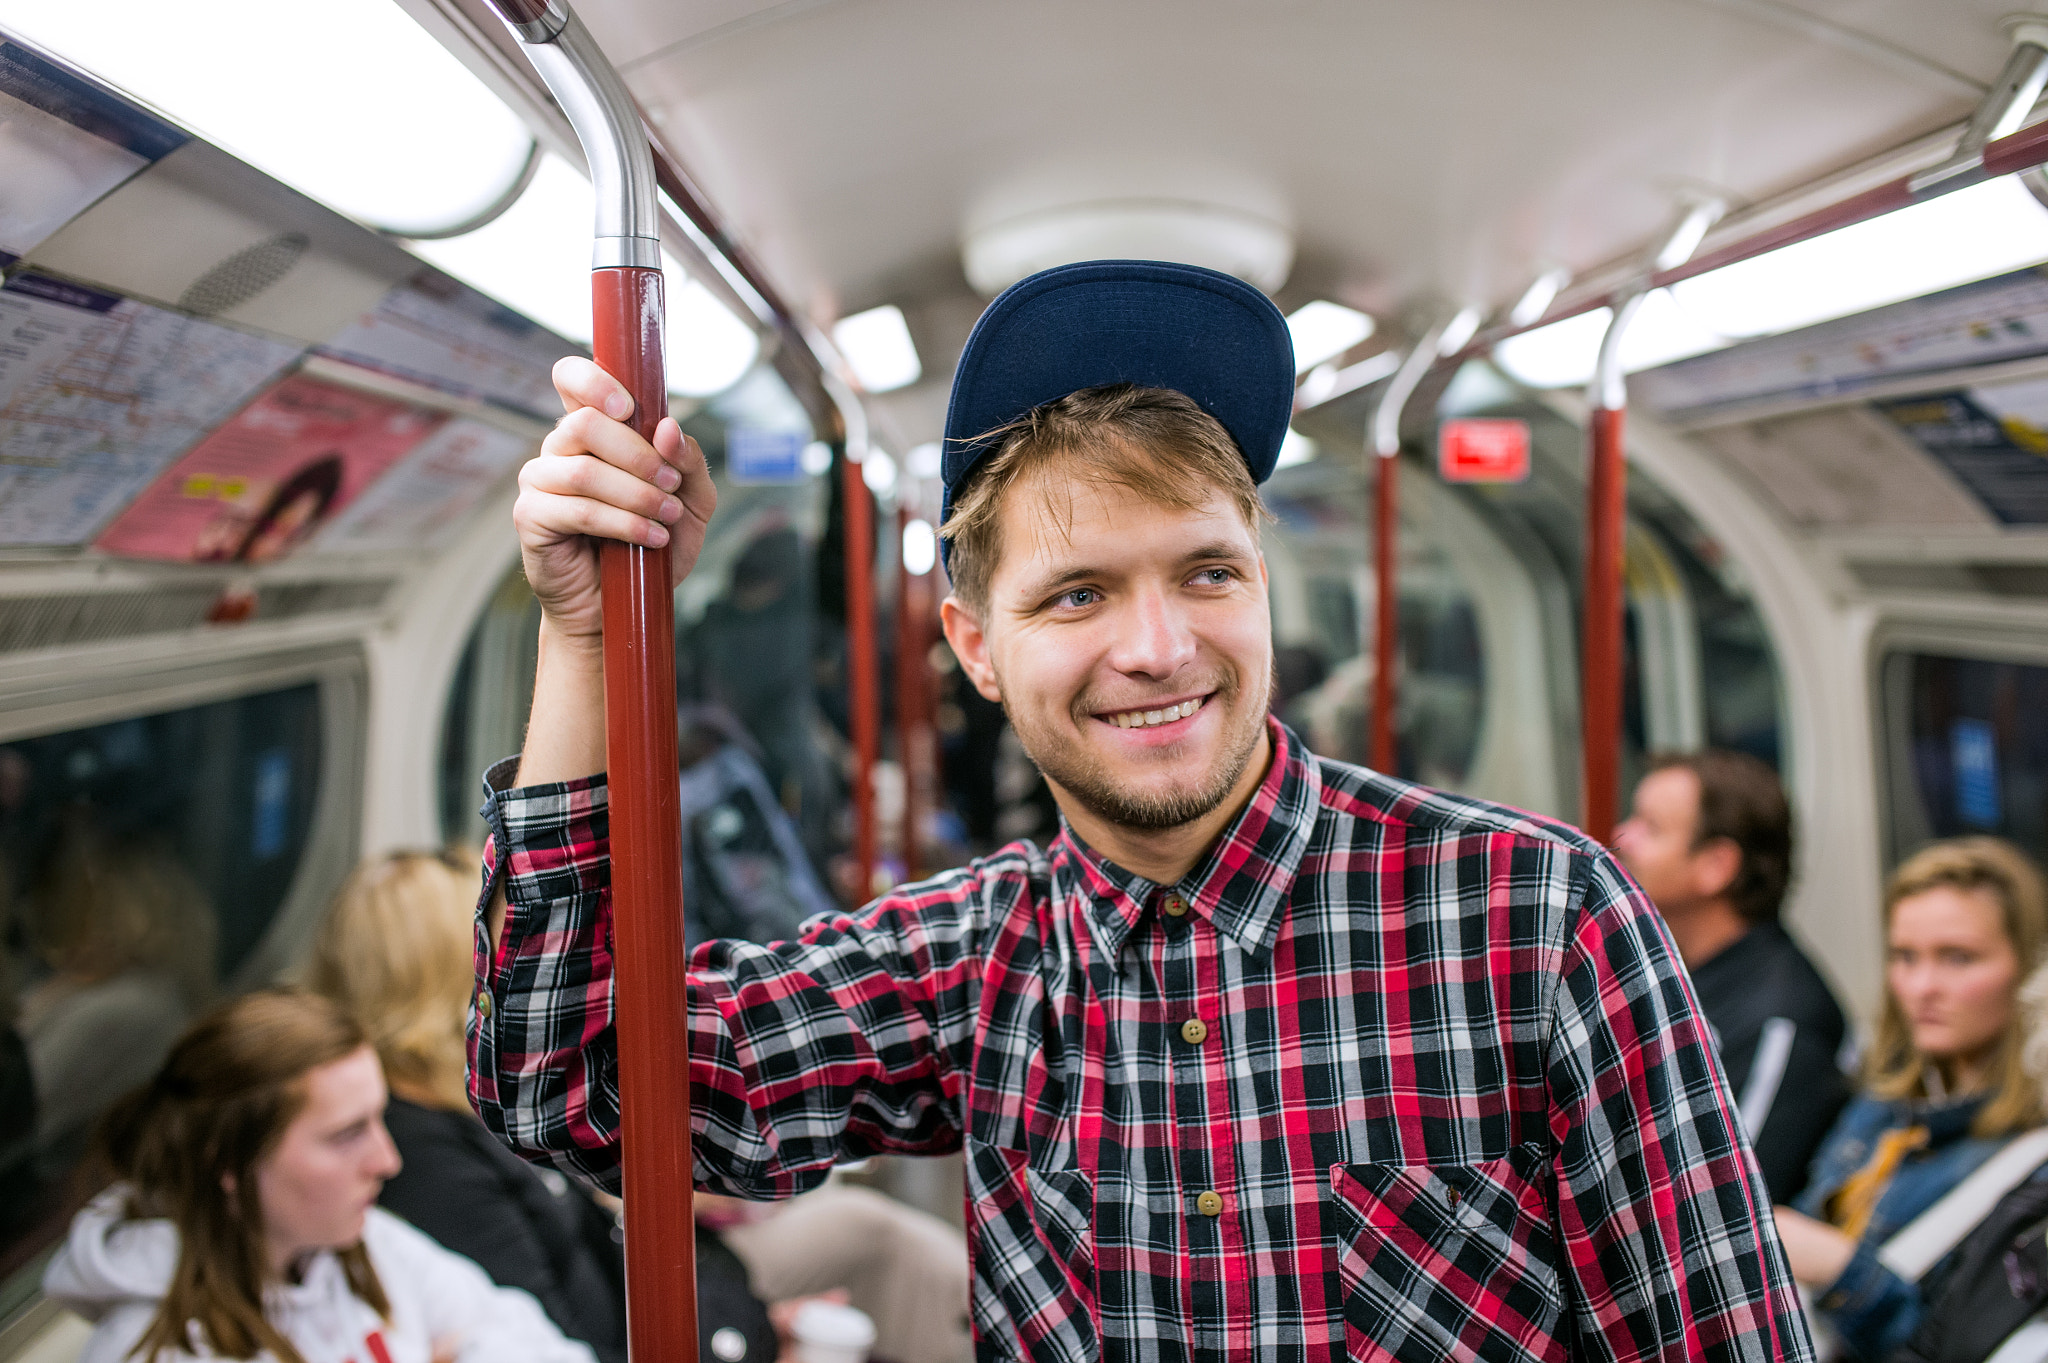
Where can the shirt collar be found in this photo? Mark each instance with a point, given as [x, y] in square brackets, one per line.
[1241, 884]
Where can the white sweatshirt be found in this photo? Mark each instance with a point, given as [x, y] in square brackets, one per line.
[114, 1271]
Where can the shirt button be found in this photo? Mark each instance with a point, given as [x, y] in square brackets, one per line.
[1176, 907]
[1194, 1031]
[1210, 1203]
[483, 1004]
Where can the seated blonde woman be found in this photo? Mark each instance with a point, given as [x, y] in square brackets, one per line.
[244, 1220]
[397, 951]
[1944, 1089]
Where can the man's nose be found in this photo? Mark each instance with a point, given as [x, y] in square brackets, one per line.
[1152, 637]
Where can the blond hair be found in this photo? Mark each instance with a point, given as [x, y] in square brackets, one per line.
[1895, 1067]
[398, 952]
[1155, 442]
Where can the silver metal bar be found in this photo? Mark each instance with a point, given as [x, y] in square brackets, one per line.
[1609, 388]
[1386, 416]
[607, 122]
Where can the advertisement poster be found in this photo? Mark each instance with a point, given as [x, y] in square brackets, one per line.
[1993, 439]
[268, 480]
[1992, 320]
[446, 335]
[98, 393]
[420, 503]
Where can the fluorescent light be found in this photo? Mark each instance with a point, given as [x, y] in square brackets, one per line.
[1536, 300]
[1457, 331]
[1971, 234]
[924, 461]
[816, 458]
[920, 547]
[878, 471]
[1295, 448]
[1323, 330]
[877, 344]
[1564, 353]
[348, 101]
[709, 349]
[536, 258]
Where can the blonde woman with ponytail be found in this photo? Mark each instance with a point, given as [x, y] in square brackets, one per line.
[242, 1223]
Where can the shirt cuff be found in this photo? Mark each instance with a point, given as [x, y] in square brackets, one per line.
[548, 842]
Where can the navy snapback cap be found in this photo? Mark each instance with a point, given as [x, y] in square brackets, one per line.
[1152, 323]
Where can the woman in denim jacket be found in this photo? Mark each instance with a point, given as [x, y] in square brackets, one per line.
[1944, 1087]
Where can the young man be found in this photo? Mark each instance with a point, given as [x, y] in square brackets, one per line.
[1264, 1056]
[1709, 840]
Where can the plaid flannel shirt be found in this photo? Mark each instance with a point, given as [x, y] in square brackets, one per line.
[1390, 1074]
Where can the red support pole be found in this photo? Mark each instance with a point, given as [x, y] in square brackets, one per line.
[863, 706]
[1386, 620]
[910, 668]
[1600, 712]
[640, 706]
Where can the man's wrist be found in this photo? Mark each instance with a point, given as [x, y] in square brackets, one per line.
[568, 648]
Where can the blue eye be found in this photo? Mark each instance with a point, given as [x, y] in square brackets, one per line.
[1079, 597]
[1214, 577]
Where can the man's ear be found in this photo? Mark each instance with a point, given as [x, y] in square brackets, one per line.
[970, 645]
[1715, 866]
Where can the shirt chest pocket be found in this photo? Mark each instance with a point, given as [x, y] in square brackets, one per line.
[1440, 1262]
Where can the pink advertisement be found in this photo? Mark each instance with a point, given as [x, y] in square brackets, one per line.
[262, 484]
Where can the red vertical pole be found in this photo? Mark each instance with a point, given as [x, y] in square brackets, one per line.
[1600, 708]
[1386, 620]
[647, 880]
[640, 705]
[863, 706]
[909, 697]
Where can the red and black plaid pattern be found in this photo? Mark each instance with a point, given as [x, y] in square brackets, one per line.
[1449, 1098]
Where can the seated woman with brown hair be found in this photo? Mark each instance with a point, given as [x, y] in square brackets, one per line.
[1944, 1091]
[244, 1222]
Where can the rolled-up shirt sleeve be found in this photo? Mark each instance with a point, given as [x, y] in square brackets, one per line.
[848, 1042]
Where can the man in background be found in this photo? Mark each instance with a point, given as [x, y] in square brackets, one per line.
[1709, 839]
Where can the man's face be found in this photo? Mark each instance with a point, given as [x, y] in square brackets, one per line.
[1130, 645]
[1656, 841]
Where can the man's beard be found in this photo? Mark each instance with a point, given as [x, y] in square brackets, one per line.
[1072, 768]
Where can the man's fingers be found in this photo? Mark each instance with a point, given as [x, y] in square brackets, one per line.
[549, 516]
[582, 384]
[585, 476]
[587, 431]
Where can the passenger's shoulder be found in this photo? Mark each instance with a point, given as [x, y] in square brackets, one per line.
[1360, 793]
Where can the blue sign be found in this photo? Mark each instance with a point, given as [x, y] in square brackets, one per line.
[756, 456]
[1973, 751]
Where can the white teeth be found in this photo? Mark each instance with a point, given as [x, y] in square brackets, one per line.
[1141, 719]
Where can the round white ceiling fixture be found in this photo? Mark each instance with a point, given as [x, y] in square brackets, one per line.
[1255, 249]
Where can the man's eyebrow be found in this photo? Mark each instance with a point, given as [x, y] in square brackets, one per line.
[1218, 549]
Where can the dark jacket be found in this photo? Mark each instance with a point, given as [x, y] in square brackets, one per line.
[1760, 986]
[1996, 1279]
[525, 1227]
[532, 1228]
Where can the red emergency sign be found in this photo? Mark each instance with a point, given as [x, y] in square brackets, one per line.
[1483, 450]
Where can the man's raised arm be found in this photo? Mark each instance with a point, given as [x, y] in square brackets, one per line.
[594, 478]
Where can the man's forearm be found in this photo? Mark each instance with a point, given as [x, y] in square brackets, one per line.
[565, 732]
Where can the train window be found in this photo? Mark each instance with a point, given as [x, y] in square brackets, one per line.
[143, 861]
[1967, 747]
